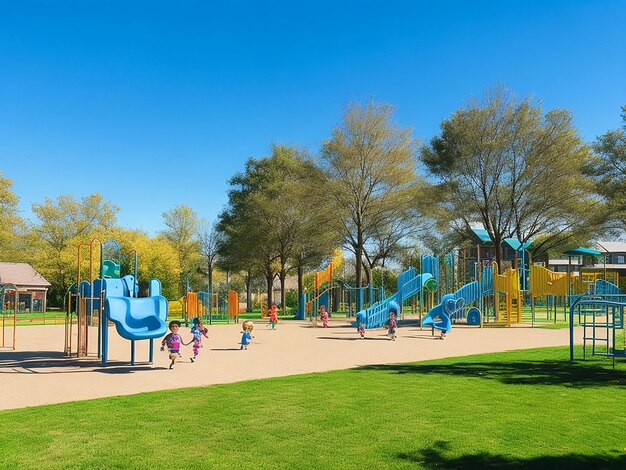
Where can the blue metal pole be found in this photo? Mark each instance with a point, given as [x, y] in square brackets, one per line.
[132, 352]
[571, 333]
[105, 339]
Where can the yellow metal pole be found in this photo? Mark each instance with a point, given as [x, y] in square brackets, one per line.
[509, 309]
[496, 304]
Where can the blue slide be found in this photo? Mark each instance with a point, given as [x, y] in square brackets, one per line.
[604, 287]
[134, 318]
[409, 284]
[439, 315]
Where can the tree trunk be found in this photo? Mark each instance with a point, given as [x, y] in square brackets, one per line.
[497, 243]
[300, 281]
[249, 291]
[359, 257]
[269, 277]
[368, 275]
[210, 271]
[283, 275]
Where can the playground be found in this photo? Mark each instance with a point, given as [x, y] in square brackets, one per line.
[36, 372]
[486, 411]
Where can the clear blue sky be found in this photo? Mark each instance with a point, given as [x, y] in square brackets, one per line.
[159, 103]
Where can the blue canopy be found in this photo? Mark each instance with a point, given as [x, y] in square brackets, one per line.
[514, 243]
[482, 235]
[580, 251]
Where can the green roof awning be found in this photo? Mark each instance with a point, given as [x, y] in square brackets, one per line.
[483, 236]
[580, 251]
[516, 245]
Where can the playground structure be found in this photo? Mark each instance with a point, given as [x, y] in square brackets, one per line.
[8, 311]
[489, 296]
[411, 288]
[111, 297]
[601, 317]
[210, 308]
[336, 296]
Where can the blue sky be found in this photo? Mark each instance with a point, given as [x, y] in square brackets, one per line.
[155, 104]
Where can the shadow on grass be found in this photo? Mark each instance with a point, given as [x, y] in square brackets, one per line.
[54, 362]
[436, 457]
[542, 372]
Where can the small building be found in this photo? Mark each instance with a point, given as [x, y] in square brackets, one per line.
[32, 287]
[561, 265]
[614, 258]
[481, 248]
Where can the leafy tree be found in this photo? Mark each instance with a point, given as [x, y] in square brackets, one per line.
[10, 222]
[181, 224]
[157, 258]
[515, 170]
[61, 225]
[272, 217]
[608, 168]
[246, 243]
[371, 179]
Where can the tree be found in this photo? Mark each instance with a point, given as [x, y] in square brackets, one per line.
[246, 242]
[10, 222]
[608, 168]
[371, 179]
[271, 220]
[181, 227]
[156, 257]
[209, 239]
[300, 213]
[61, 225]
[515, 170]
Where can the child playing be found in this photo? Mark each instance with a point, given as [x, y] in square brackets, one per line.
[273, 317]
[392, 324]
[246, 336]
[361, 330]
[198, 330]
[324, 316]
[173, 341]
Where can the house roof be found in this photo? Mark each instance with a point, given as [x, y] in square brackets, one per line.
[610, 247]
[21, 274]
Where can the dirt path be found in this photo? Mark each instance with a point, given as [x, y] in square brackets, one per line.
[37, 374]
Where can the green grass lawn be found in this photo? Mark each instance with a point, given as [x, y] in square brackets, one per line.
[524, 409]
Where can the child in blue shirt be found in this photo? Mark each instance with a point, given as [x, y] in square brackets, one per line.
[246, 336]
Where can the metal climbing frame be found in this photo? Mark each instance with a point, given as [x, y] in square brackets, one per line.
[601, 317]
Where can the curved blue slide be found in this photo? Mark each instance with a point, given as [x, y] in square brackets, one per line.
[409, 283]
[137, 318]
[439, 315]
[134, 318]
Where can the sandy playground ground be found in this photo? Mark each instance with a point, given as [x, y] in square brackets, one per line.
[36, 373]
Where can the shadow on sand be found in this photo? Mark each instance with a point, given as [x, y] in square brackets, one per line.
[54, 362]
[356, 338]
